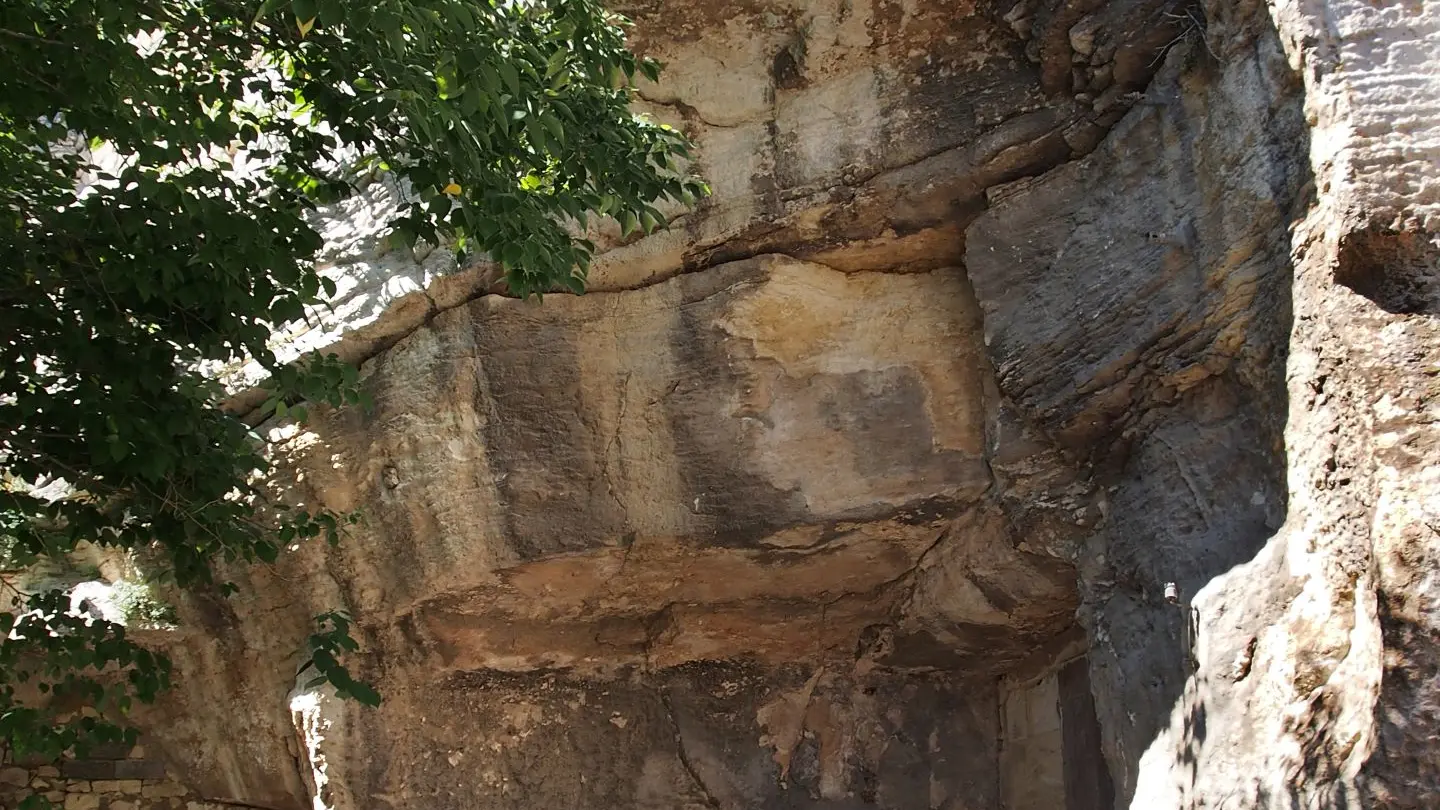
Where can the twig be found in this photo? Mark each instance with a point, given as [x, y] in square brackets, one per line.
[32, 38]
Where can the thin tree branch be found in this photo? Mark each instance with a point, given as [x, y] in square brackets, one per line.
[32, 38]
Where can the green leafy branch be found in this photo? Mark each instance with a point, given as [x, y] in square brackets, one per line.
[510, 122]
[326, 648]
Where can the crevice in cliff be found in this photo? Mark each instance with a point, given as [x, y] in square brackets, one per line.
[682, 754]
[690, 113]
[909, 574]
[610, 448]
[1171, 349]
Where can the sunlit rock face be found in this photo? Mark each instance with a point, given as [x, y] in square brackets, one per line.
[1039, 415]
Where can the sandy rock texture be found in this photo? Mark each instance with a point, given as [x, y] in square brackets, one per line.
[1040, 415]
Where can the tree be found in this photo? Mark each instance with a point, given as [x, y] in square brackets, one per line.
[158, 160]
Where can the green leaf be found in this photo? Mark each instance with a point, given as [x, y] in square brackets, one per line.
[266, 551]
[447, 81]
[510, 77]
[305, 10]
[142, 291]
[325, 662]
[332, 12]
[268, 7]
[552, 124]
[366, 695]
[395, 36]
[556, 62]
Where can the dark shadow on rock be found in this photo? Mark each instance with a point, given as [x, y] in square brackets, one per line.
[1399, 270]
[1404, 772]
[1202, 485]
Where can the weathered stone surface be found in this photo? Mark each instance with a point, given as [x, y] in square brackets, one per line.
[1294, 676]
[139, 769]
[748, 462]
[89, 769]
[82, 801]
[862, 135]
[696, 736]
[1134, 305]
[758, 438]
[1041, 414]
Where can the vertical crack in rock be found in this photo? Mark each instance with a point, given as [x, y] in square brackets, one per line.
[684, 755]
[612, 446]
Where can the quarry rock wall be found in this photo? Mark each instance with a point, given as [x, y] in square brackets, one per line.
[1040, 414]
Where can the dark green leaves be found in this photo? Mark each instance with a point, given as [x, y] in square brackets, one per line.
[525, 107]
[268, 7]
[326, 648]
[447, 80]
[75, 661]
[510, 75]
[305, 10]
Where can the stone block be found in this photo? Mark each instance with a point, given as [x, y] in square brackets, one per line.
[82, 801]
[14, 776]
[47, 771]
[55, 796]
[139, 769]
[105, 786]
[77, 786]
[121, 805]
[131, 786]
[88, 769]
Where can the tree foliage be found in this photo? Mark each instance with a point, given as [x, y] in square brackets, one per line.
[160, 161]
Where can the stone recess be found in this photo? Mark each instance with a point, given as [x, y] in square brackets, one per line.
[863, 484]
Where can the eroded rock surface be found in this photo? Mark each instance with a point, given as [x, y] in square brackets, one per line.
[863, 484]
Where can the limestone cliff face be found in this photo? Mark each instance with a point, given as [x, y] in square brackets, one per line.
[863, 485]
